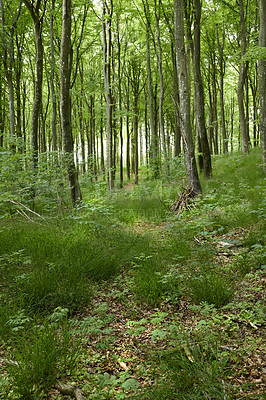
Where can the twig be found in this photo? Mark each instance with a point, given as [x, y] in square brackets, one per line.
[23, 214]
[167, 208]
[17, 203]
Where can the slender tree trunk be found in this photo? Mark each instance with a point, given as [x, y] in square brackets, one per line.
[37, 25]
[177, 137]
[128, 131]
[154, 160]
[107, 58]
[161, 100]
[54, 117]
[241, 83]
[136, 137]
[190, 161]
[2, 115]
[8, 62]
[65, 71]
[119, 72]
[262, 83]
[18, 92]
[222, 70]
[199, 98]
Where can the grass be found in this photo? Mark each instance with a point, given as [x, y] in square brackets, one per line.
[88, 272]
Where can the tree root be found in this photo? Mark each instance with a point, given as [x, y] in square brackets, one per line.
[70, 391]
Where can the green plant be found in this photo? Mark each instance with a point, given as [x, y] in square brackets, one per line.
[211, 288]
[192, 371]
[39, 356]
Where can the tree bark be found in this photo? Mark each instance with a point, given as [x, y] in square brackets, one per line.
[241, 82]
[199, 98]
[8, 62]
[36, 111]
[107, 58]
[262, 83]
[68, 145]
[54, 117]
[185, 121]
[222, 69]
[161, 100]
[154, 159]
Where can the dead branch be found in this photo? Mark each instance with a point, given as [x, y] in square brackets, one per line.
[17, 203]
[184, 200]
[70, 391]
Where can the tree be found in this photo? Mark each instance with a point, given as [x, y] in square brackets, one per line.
[65, 72]
[8, 61]
[37, 17]
[184, 94]
[262, 82]
[199, 94]
[241, 82]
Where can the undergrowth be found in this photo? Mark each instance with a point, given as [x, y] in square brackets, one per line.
[53, 270]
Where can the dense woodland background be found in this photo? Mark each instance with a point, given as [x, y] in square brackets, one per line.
[116, 85]
[148, 280]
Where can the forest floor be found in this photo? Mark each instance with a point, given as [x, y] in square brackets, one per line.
[146, 303]
[139, 332]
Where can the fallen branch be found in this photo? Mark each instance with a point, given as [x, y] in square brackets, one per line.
[184, 201]
[17, 203]
[70, 391]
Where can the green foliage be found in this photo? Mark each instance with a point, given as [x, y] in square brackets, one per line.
[43, 190]
[39, 356]
[212, 288]
[192, 371]
[154, 283]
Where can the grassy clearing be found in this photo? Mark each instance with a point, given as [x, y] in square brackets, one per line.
[128, 301]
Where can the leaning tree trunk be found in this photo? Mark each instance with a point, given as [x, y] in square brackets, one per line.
[185, 121]
[65, 104]
[262, 83]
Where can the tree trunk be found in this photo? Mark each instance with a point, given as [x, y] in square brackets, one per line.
[54, 132]
[161, 100]
[154, 160]
[36, 111]
[177, 137]
[262, 83]
[107, 58]
[222, 70]
[65, 104]
[8, 62]
[199, 95]
[185, 121]
[241, 83]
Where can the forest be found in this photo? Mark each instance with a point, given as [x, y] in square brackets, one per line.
[132, 199]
